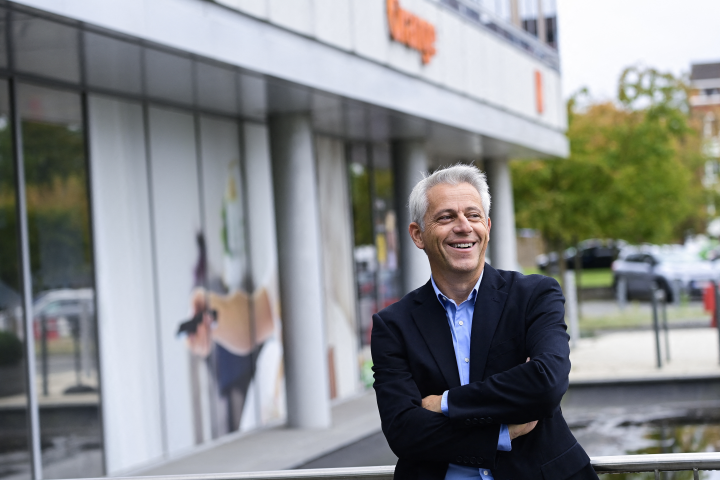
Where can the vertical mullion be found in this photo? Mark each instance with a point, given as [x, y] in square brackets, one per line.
[21, 209]
[89, 188]
[33, 411]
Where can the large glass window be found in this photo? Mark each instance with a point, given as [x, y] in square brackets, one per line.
[62, 278]
[14, 445]
[386, 232]
[365, 252]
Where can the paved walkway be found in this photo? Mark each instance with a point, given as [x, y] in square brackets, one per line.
[608, 357]
[631, 354]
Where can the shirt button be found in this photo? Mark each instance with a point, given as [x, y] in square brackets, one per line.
[460, 322]
[485, 472]
[467, 360]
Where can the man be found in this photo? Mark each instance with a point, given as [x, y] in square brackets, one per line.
[471, 367]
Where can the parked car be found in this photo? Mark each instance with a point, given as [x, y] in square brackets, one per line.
[673, 270]
[593, 254]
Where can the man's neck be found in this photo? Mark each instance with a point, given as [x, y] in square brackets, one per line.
[457, 288]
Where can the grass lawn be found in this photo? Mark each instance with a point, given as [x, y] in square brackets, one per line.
[601, 277]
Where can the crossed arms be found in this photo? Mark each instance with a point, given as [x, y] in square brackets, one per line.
[518, 396]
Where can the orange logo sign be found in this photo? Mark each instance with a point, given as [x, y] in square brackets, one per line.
[539, 103]
[411, 30]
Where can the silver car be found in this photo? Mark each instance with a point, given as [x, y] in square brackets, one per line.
[674, 270]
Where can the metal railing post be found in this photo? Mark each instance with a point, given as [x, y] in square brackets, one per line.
[44, 352]
[656, 322]
[717, 312]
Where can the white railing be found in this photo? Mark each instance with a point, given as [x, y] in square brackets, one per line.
[671, 462]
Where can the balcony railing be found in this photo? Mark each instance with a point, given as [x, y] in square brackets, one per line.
[671, 462]
[473, 12]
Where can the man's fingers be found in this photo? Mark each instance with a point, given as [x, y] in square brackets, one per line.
[521, 429]
[528, 359]
[432, 403]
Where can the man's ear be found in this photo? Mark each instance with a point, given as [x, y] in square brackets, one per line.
[416, 235]
[489, 224]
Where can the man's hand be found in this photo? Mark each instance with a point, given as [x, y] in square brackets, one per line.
[519, 430]
[433, 403]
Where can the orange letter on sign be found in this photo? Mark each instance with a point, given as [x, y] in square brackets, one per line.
[411, 30]
[538, 92]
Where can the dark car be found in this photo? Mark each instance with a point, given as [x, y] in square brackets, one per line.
[593, 254]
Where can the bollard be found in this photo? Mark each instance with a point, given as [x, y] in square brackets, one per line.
[663, 304]
[656, 323]
[717, 312]
[44, 352]
[621, 292]
[571, 307]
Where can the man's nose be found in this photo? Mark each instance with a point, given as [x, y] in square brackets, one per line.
[463, 225]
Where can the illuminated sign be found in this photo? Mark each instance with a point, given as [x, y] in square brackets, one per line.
[411, 30]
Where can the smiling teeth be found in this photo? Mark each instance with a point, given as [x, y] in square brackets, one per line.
[463, 245]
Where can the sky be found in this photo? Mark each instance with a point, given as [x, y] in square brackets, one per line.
[599, 38]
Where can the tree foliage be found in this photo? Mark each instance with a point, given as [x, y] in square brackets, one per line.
[634, 170]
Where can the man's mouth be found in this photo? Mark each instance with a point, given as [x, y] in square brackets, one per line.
[462, 246]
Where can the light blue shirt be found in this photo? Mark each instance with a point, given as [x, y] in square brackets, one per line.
[460, 318]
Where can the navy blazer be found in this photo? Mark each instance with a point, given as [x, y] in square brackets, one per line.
[515, 317]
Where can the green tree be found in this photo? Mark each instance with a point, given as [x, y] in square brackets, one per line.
[634, 170]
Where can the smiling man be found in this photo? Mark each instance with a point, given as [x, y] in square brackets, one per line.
[471, 367]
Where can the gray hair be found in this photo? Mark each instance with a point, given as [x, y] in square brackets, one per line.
[453, 175]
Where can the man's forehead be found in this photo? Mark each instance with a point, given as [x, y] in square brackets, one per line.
[461, 196]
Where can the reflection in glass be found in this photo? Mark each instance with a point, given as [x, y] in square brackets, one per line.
[45, 48]
[365, 252]
[386, 232]
[14, 444]
[112, 64]
[168, 76]
[62, 278]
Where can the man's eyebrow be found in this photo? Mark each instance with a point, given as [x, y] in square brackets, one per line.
[444, 210]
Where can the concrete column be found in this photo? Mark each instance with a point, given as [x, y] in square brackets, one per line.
[409, 161]
[503, 243]
[300, 269]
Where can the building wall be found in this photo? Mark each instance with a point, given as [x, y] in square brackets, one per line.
[469, 60]
[476, 82]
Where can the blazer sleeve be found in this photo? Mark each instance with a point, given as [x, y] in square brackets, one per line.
[532, 390]
[413, 432]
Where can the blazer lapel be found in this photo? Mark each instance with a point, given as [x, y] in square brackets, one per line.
[431, 319]
[486, 316]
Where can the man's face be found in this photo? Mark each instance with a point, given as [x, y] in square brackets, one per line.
[456, 231]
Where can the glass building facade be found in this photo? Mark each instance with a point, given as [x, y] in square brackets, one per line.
[107, 141]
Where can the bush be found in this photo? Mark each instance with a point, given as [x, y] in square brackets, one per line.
[11, 349]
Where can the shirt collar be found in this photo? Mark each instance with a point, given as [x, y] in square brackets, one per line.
[442, 298]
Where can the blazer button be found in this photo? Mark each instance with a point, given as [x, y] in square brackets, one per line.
[468, 422]
[467, 460]
[489, 419]
[458, 459]
[479, 460]
[475, 421]
[472, 460]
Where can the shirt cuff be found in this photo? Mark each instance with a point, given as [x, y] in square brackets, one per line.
[504, 442]
[443, 404]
